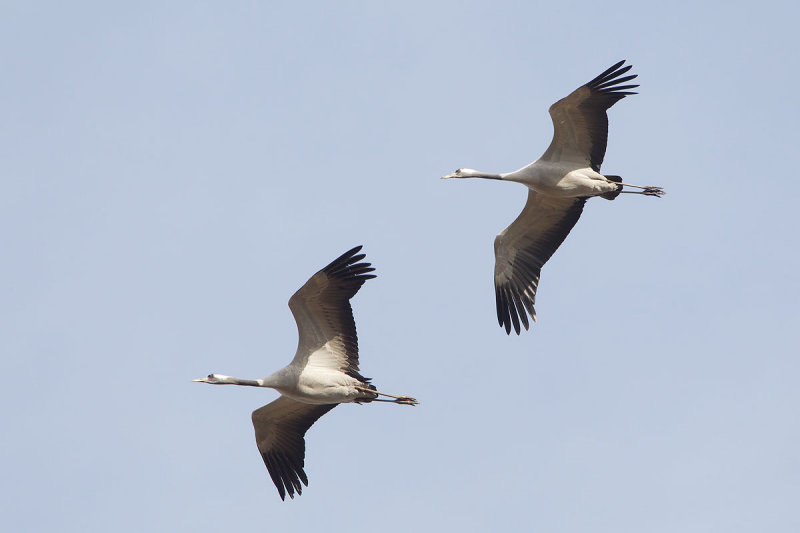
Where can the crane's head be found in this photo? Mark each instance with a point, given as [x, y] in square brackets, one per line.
[460, 173]
[472, 173]
[215, 379]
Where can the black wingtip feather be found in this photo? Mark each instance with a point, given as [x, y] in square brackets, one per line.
[273, 473]
[615, 82]
[286, 476]
[523, 316]
[347, 267]
[608, 81]
[361, 268]
[608, 71]
[345, 259]
[502, 309]
[499, 304]
[512, 310]
[515, 308]
[624, 87]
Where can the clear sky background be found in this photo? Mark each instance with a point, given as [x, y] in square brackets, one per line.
[173, 171]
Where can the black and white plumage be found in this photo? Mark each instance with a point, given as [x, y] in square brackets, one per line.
[559, 184]
[323, 373]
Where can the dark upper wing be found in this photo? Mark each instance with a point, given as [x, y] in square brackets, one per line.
[523, 248]
[580, 122]
[280, 427]
[324, 317]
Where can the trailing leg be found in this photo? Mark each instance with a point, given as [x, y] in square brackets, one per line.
[649, 190]
[405, 400]
[646, 193]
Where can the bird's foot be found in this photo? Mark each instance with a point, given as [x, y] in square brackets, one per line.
[406, 400]
[650, 190]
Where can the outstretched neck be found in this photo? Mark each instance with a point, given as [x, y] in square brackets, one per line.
[222, 379]
[279, 379]
[248, 382]
[485, 175]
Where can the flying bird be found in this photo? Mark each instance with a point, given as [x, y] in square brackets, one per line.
[559, 183]
[323, 373]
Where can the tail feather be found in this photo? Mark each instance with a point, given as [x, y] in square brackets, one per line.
[613, 194]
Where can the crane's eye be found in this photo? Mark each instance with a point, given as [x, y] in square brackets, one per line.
[211, 376]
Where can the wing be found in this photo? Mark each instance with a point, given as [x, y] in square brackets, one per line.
[580, 122]
[280, 427]
[523, 248]
[324, 317]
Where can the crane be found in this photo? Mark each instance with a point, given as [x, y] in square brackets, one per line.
[323, 373]
[559, 183]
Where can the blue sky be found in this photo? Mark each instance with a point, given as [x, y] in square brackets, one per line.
[171, 174]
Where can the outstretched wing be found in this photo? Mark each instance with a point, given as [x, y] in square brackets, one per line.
[280, 427]
[580, 122]
[324, 317]
[523, 248]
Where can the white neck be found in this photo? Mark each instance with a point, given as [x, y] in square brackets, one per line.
[229, 380]
[472, 173]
